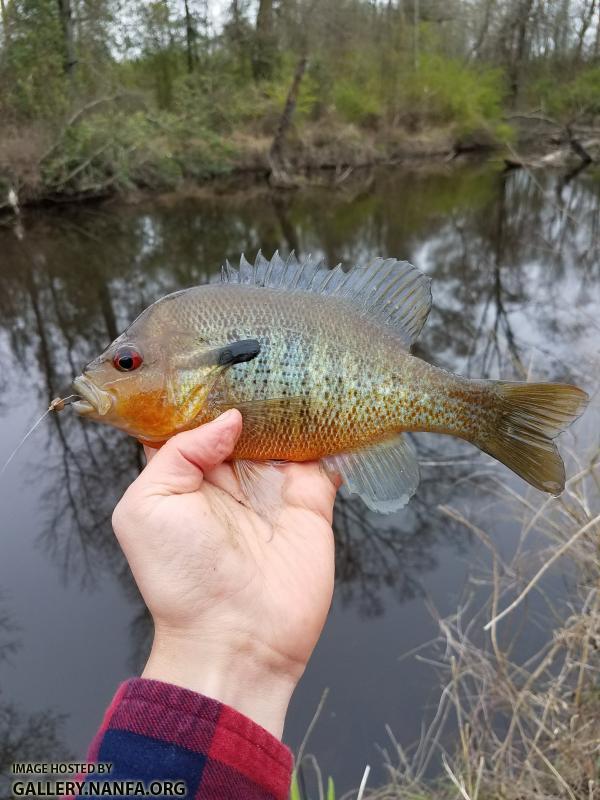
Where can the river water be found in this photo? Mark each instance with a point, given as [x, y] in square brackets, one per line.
[514, 260]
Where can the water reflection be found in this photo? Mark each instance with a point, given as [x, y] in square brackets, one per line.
[514, 259]
[510, 255]
[24, 736]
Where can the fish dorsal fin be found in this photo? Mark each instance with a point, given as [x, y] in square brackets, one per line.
[390, 291]
[385, 476]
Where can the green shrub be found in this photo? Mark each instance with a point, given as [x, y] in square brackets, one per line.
[355, 103]
[446, 91]
[577, 96]
[124, 150]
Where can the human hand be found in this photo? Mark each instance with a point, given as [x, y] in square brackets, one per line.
[238, 602]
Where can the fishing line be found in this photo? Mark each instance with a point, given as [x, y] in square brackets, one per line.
[56, 405]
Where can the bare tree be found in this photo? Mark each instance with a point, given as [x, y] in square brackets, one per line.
[285, 121]
[520, 25]
[561, 27]
[483, 30]
[264, 49]
[416, 22]
[65, 12]
[587, 16]
[4, 17]
[276, 158]
[190, 39]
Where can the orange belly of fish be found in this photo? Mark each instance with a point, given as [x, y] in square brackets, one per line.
[298, 439]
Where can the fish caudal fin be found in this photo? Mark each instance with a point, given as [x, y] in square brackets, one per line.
[531, 416]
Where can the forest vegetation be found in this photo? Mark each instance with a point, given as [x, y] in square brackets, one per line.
[101, 96]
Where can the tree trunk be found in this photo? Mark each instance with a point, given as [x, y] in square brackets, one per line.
[483, 31]
[276, 153]
[65, 12]
[588, 14]
[236, 21]
[522, 26]
[264, 48]
[4, 17]
[561, 29]
[416, 21]
[577, 147]
[190, 39]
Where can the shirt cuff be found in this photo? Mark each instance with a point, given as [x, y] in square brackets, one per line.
[234, 751]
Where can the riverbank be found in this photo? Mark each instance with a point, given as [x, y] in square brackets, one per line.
[519, 730]
[128, 158]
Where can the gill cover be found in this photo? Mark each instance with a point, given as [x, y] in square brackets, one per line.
[194, 374]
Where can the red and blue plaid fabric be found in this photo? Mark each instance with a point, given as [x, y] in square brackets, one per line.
[154, 731]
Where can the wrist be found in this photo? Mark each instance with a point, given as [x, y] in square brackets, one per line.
[240, 675]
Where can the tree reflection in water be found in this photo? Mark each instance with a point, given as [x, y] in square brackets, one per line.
[511, 257]
[24, 737]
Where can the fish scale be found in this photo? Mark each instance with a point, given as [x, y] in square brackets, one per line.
[359, 383]
[329, 376]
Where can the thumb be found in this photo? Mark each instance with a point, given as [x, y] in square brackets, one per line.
[179, 466]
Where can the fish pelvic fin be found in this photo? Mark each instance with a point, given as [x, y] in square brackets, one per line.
[531, 416]
[385, 476]
[392, 292]
[262, 485]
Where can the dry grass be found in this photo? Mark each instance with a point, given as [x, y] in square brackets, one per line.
[515, 729]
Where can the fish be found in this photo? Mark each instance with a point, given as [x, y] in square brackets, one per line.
[318, 361]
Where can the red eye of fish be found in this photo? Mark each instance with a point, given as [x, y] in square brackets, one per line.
[127, 359]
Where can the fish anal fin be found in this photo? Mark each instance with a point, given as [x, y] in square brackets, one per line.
[385, 476]
[387, 290]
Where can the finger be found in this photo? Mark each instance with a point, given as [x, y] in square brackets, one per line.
[223, 477]
[179, 466]
[149, 452]
[309, 486]
[335, 478]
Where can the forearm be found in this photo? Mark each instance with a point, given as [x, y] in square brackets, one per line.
[238, 673]
[158, 731]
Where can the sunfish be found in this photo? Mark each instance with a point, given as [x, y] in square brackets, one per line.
[328, 375]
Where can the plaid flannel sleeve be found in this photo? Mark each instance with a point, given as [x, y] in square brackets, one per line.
[154, 731]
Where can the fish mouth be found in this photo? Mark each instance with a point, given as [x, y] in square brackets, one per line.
[92, 398]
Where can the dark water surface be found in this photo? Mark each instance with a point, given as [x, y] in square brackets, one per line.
[514, 261]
